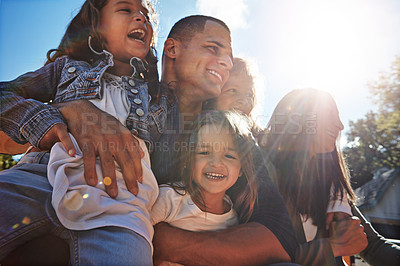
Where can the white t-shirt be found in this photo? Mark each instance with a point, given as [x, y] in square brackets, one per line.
[181, 212]
[338, 205]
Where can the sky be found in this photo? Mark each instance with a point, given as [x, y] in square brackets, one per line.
[333, 45]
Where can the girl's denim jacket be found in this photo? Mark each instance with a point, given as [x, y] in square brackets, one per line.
[26, 116]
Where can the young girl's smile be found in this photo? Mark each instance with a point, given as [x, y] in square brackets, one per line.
[217, 164]
[125, 29]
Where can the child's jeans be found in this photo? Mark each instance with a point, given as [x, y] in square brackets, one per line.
[26, 212]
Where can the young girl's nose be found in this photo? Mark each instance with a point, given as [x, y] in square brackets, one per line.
[215, 161]
[139, 16]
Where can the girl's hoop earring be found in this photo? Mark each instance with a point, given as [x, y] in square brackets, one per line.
[90, 46]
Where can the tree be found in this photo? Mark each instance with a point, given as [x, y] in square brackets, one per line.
[374, 141]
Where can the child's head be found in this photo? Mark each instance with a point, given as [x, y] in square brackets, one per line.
[120, 27]
[218, 155]
[102, 18]
[238, 91]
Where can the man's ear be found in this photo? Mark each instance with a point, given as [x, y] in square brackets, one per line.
[171, 48]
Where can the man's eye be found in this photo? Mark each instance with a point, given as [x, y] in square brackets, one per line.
[126, 10]
[214, 49]
[203, 153]
[232, 90]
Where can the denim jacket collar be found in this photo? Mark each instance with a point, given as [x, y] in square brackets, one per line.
[138, 65]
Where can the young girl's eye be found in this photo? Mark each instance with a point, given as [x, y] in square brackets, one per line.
[203, 153]
[230, 156]
[126, 10]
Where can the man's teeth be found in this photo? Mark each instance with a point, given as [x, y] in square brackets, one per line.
[215, 74]
[214, 175]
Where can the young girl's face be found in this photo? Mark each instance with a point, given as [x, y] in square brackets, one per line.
[217, 164]
[237, 94]
[125, 29]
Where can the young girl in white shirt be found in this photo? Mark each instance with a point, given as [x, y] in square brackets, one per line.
[217, 158]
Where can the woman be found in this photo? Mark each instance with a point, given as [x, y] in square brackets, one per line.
[303, 145]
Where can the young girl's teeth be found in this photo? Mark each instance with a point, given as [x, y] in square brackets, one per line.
[214, 176]
[137, 34]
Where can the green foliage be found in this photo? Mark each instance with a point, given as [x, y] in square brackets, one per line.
[6, 161]
[374, 141]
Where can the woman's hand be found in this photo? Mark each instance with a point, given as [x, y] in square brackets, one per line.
[347, 237]
[100, 134]
[335, 216]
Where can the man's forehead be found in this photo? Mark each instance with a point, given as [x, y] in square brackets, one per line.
[215, 32]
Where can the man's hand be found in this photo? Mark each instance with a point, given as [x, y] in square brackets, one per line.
[100, 134]
[58, 133]
[347, 237]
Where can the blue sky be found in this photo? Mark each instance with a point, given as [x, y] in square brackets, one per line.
[334, 45]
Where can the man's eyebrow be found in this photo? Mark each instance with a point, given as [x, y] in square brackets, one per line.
[219, 44]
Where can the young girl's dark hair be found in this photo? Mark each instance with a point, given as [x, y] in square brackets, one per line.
[246, 186]
[74, 43]
[305, 179]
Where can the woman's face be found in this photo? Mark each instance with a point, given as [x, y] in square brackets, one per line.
[328, 126]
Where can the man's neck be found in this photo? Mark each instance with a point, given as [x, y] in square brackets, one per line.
[189, 105]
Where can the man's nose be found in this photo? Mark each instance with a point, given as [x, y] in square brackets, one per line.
[225, 61]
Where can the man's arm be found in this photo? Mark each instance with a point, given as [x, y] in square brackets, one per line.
[245, 244]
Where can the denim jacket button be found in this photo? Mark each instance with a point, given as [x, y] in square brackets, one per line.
[140, 112]
[71, 70]
[134, 91]
[131, 82]
[137, 101]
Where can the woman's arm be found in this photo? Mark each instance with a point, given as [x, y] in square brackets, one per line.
[245, 244]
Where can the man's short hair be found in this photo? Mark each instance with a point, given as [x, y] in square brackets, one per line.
[186, 28]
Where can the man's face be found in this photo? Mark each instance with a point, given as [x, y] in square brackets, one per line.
[203, 63]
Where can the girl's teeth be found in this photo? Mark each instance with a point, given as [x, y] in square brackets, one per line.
[214, 175]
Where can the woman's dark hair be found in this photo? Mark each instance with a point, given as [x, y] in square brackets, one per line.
[246, 192]
[305, 179]
[74, 43]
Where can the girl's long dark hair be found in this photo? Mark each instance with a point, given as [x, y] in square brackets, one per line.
[246, 190]
[304, 178]
[74, 43]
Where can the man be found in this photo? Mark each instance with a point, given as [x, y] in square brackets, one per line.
[196, 62]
